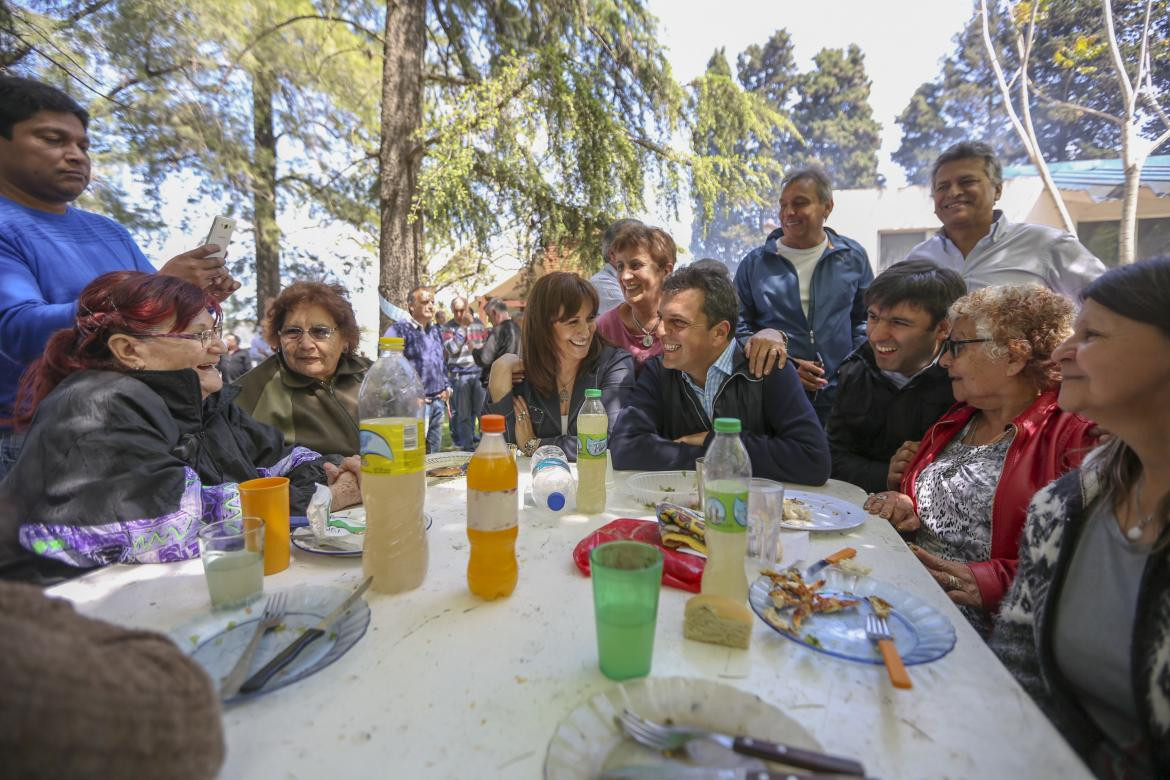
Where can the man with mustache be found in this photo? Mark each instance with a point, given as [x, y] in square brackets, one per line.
[703, 373]
[49, 250]
[979, 242]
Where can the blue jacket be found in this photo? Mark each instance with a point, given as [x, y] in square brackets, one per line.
[769, 297]
[780, 430]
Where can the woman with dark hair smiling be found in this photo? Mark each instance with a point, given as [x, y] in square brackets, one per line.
[308, 389]
[541, 395]
[1085, 628]
[131, 444]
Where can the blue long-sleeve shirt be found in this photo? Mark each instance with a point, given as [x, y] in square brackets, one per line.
[46, 260]
[769, 297]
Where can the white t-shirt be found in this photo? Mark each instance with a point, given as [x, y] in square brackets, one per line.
[804, 260]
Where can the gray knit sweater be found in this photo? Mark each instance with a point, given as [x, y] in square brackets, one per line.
[1023, 633]
[80, 698]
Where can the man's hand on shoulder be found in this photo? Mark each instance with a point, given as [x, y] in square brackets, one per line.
[204, 271]
[766, 350]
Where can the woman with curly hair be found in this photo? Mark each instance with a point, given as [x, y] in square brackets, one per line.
[965, 494]
[308, 389]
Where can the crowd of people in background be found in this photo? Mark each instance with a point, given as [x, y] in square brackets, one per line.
[1002, 397]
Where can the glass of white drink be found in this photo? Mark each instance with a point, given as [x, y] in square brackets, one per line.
[233, 560]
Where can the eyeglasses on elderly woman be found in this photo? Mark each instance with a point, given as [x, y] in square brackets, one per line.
[954, 346]
[316, 333]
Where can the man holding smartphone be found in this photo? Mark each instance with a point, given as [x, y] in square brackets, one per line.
[49, 250]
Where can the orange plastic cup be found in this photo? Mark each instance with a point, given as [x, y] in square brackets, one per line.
[267, 498]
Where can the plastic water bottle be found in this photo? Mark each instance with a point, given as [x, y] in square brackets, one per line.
[491, 513]
[552, 482]
[393, 450]
[592, 454]
[727, 477]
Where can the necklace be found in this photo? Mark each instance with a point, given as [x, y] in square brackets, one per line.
[563, 393]
[1135, 533]
[647, 339]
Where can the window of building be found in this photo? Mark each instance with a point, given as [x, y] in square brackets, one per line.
[1153, 238]
[895, 245]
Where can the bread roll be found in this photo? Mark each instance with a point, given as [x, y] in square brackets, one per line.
[718, 620]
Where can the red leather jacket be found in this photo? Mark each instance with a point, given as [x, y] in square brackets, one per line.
[1048, 442]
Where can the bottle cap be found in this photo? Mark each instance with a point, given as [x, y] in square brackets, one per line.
[390, 342]
[556, 502]
[593, 392]
[492, 423]
[727, 425]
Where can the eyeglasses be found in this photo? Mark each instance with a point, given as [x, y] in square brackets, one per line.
[316, 333]
[213, 334]
[953, 345]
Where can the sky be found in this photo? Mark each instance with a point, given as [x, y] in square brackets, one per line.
[904, 42]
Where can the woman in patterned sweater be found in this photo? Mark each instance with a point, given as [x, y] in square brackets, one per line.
[1086, 626]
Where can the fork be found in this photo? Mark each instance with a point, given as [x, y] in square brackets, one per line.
[878, 630]
[274, 611]
[670, 738]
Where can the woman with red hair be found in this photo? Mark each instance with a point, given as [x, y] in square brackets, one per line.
[132, 443]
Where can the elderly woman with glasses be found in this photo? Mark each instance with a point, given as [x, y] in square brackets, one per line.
[132, 441]
[308, 389]
[965, 494]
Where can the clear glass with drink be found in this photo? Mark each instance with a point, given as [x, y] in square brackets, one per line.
[233, 561]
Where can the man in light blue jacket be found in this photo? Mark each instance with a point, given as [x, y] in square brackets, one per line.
[808, 282]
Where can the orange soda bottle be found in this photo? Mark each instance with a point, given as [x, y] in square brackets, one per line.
[492, 508]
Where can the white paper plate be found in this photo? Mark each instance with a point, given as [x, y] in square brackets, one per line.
[829, 513]
[438, 460]
[589, 739]
[650, 488]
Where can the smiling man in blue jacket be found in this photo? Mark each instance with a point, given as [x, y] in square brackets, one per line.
[703, 374]
[808, 282]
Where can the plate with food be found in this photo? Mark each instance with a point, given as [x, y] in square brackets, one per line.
[805, 511]
[447, 465]
[828, 615]
[589, 740]
[217, 639]
[651, 488]
[343, 537]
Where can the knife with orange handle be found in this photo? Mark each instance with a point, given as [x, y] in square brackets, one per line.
[843, 554]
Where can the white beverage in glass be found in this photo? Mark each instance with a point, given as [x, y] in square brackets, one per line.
[234, 577]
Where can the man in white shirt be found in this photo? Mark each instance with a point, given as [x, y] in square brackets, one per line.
[980, 243]
[605, 281]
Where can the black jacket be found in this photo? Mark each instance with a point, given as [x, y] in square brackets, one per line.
[780, 429]
[125, 467]
[612, 373]
[871, 417]
[502, 340]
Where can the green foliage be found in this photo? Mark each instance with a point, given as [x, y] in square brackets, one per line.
[1070, 64]
[820, 117]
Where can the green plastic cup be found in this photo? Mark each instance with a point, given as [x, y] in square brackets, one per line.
[626, 579]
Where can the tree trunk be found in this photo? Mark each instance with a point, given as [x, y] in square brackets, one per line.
[400, 245]
[264, 193]
[1132, 161]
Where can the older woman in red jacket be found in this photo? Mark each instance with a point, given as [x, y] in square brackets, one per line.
[965, 494]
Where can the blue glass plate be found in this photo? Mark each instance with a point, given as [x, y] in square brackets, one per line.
[342, 545]
[216, 640]
[921, 633]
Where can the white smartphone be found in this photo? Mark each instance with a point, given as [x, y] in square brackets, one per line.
[220, 234]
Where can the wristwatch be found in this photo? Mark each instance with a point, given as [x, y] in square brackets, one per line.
[530, 447]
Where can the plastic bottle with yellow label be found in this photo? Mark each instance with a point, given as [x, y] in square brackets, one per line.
[393, 452]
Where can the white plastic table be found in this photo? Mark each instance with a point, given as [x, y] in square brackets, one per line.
[446, 685]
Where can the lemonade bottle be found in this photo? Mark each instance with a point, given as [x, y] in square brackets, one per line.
[592, 454]
[727, 475]
[491, 513]
[390, 405]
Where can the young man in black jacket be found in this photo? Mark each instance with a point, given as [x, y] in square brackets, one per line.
[703, 374]
[891, 389]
